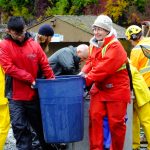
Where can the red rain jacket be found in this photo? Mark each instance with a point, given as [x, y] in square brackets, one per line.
[109, 84]
[22, 63]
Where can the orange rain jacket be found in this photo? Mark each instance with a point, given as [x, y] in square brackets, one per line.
[110, 83]
[140, 61]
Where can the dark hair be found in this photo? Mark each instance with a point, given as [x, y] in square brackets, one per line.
[46, 30]
[16, 23]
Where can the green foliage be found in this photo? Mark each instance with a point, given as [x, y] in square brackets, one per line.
[140, 4]
[121, 11]
[116, 9]
[16, 8]
[78, 6]
[60, 7]
[48, 11]
[2, 2]
[73, 10]
[22, 11]
[71, 7]
[83, 3]
[5, 5]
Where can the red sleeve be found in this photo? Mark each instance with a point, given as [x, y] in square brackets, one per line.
[87, 67]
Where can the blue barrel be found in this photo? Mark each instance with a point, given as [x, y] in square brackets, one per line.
[61, 102]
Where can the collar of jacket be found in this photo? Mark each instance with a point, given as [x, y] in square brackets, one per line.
[108, 39]
[98, 44]
[27, 36]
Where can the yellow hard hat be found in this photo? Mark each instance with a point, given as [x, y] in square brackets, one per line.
[132, 31]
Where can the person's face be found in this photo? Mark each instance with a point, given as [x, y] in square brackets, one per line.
[133, 43]
[18, 36]
[44, 39]
[100, 33]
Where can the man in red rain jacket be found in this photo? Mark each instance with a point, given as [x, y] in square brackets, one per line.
[105, 71]
[21, 58]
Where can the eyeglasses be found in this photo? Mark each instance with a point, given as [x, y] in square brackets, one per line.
[97, 29]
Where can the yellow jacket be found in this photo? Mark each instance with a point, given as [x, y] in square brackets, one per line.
[140, 61]
[3, 100]
[141, 90]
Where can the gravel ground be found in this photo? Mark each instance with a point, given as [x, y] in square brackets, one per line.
[10, 143]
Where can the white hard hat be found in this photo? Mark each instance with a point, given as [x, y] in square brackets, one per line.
[104, 22]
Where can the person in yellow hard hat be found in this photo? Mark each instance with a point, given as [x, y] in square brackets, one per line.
[142, 63]
[4, 112]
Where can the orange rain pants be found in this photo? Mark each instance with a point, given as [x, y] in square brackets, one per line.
[116, 112]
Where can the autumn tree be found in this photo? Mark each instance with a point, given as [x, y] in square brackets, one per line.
[122, 12]
[16, 8]
[137, 11]
[116, 9]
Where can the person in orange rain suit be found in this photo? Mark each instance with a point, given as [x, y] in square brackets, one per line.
[105, 70]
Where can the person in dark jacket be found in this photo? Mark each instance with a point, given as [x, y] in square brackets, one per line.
[66, 61]
[21, 58]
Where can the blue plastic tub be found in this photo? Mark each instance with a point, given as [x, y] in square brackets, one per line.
[61, 102]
